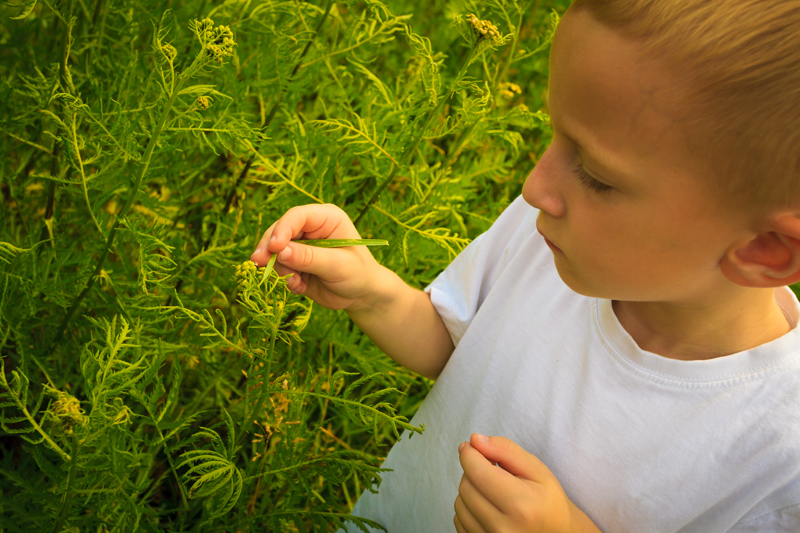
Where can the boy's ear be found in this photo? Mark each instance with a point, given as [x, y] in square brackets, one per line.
[771, 259]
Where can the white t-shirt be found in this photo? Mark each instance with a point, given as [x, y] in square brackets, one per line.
[639, 442]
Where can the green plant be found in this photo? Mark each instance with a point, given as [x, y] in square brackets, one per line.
[152, 380]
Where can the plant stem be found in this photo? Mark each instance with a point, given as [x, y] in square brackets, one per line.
[265, 383]
[84, 181]
[249, 163]
[124, 211]
[65, 38]
[406, 158]
[168, 453]
[67, 492]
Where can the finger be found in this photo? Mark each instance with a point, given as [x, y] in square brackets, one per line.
[459, 527]
[330, 264]
[296, 283]
[483, 512]
[299, 283]
[511, 457]
[493, 483]
[261, 255]
[465, 518]
[309, 222]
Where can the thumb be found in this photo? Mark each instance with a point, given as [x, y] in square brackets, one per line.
[331, 265]
[511, 457]
[314, 260]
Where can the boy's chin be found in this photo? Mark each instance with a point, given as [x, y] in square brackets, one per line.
[590, 290]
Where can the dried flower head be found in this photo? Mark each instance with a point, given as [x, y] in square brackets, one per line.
[203, 102]
[483, 29]
[65, 413]
[124, 413]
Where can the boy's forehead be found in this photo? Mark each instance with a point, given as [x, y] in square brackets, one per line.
[619, 107]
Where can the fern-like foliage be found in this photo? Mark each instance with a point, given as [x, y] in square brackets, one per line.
[212, 472]
[151, 378]
[363, 408]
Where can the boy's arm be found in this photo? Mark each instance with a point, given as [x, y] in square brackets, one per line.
[403, 323]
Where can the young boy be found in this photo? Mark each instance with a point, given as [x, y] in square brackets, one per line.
[624, 328]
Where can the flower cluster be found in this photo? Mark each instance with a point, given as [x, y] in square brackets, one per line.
[507, 90]
[217, 41]
[203, 102]
[245, 275]
[483, 29]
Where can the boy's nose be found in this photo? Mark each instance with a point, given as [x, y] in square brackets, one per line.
[541, 188]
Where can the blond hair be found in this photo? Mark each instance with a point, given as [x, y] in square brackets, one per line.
[739, 62]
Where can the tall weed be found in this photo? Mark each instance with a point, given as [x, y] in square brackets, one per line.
[151, 378]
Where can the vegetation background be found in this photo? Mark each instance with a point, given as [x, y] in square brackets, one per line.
[152, 379]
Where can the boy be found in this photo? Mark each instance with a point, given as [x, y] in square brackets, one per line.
[624, 327]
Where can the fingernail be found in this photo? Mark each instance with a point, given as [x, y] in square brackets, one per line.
[481, 438]
[286, 254]
[272, 238]
[461, 446]
[258, 251]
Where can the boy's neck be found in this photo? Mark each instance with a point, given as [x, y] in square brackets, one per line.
[698, 332]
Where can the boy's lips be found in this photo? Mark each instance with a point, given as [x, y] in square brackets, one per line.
[553, 246]
[547, 241]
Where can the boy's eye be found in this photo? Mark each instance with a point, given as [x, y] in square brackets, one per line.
[589, 182]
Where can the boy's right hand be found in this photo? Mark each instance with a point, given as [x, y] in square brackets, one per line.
[336, 278]
[349, 278]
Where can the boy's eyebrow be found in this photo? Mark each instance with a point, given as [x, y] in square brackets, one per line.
[602, 163]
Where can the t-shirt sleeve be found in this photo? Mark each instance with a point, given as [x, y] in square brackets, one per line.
[458, 292]
[785, 520]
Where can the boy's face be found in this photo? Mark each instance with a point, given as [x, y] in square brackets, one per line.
[652, 231]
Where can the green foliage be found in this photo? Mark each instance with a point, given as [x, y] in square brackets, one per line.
[151, 378]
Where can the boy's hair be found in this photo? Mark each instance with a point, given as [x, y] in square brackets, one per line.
[739, 61]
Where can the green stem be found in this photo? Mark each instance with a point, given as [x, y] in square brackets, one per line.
[299, 62]
[62, 68]
[168, 453]
[84, 180]
[62, 517]
[408, 154]
[124, 211]
[465, 135]
[22, 407]
[249, 163]
[460, 142]
[265, 383]
[47, 230]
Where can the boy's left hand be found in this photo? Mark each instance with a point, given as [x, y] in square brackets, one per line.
[520, 496]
